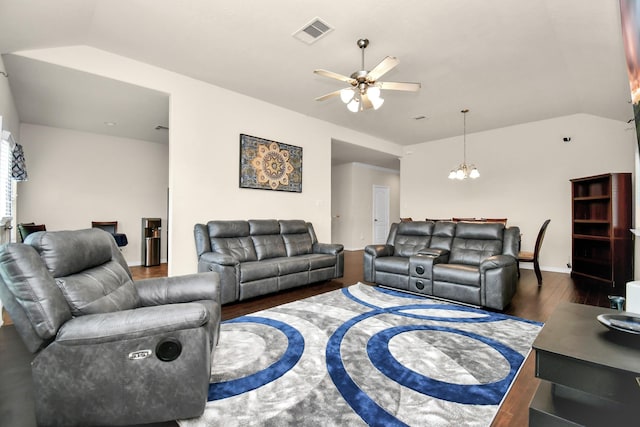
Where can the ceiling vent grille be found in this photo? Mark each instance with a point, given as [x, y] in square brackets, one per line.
[313, 31]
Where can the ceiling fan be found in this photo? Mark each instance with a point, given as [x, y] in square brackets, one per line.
[364, 92]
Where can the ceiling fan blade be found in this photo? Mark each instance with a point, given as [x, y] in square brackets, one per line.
[366, 102]
[386, 65]
[328, 95]
[405, 86]
[336, 76]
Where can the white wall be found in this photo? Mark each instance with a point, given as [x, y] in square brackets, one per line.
[205, 124]
[78, 177]
[525, 172]
[8, 111]
[352, 202]
[10, 120]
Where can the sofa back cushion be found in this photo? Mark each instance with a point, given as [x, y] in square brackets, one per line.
[411, 237]
[30, 295]
[443, 233]
[69, 252]
[91, 279]
[240, 248]
[296, 237]
[232, 238]
[103, 289]
[265, 234]
[474, 242]
[228, 228]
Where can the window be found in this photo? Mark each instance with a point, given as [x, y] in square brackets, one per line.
[6, 186]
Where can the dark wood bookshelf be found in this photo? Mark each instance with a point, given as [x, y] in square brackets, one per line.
[602, 243]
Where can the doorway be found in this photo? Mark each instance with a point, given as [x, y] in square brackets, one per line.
[380, 214]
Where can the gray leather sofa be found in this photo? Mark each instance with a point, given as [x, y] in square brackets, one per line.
[108, 351]
[473, 263]
[259, 257]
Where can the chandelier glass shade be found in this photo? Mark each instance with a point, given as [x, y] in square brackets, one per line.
[464, 171]
[353, 97]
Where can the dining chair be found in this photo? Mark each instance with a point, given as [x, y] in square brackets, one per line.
[499, 220]
[458, 219]
[108, 226]
[26, 228]
[111, 227]
[524, 256]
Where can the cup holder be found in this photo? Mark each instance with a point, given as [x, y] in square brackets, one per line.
[419, 283]
[168, 349]
[420, 270]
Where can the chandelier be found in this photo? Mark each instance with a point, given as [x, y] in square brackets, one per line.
[464, 171]
[353, 97]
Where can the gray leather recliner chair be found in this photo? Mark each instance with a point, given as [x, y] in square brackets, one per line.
[109, 351]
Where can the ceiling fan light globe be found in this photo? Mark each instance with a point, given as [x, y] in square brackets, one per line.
[460, 174]
[377, 103]
[452, 174]
[346, 95]
[474, 173]
[373, 92]
[353, 106]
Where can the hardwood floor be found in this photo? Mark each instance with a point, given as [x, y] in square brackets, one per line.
[530, 302]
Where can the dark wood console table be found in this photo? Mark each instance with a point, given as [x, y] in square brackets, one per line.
[589, 374]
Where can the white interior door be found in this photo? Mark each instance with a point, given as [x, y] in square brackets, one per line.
[380, 214]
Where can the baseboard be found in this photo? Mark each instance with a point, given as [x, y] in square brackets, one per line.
[529, 266]
[139, 264]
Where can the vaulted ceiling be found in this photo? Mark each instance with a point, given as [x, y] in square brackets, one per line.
[508, 61]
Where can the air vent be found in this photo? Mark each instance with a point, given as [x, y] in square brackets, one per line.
[313, 31]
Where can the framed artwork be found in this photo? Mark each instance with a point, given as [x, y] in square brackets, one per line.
[270, 165]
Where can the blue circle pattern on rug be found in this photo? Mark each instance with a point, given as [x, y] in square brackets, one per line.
[289, 359]
[471, 394]
[381, 357]
[378, 350]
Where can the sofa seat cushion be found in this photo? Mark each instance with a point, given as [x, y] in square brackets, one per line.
[457, 273]
[256, 270]
[291, 265]
[393, 264]
[317, 261]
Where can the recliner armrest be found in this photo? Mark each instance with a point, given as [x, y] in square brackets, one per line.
[218, 258]
[327, 248]
[379, 250]
[130, 324]
[434, 252]
[496, 261]
[177, 289]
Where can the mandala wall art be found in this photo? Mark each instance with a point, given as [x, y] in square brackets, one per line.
[270, 165]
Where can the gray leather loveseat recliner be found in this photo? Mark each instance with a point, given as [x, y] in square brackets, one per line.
[108, 351]
[473, 263]
[262, 256]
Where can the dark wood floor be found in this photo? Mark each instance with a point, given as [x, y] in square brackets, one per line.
[531, 302]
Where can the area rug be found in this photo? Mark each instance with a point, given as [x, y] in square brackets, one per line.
[365, 355]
